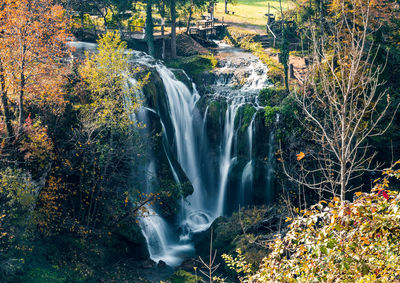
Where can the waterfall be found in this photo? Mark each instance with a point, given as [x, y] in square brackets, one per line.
[226, 157]
[247, 175]
[271, 158]
[185, 135]
[250, 132]
[182, 106]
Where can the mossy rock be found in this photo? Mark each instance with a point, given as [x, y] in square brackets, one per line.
[128, 240]
[182, 276]
[194, 66]
[215, 120]
[272, 96]
[224, 233]
[181, 76]
[247, 112]
[270, 115]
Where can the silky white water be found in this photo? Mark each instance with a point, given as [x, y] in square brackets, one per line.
[190, 146]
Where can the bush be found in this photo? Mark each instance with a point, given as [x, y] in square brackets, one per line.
[270, 115]
[272, 96]
[182, 276]
[355, 241]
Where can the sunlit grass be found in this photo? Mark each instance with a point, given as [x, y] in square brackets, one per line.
[250, 12]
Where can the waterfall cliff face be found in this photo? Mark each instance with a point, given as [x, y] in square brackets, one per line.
[211, 138]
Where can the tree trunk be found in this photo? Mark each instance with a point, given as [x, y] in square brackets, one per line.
[342, 181]
[150, 28]
[343, 145]
[4, 101]
[189, 19]
[173, 29]
[21, 105]
[286, 69]
[226, 7]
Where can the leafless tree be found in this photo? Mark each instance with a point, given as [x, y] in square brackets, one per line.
[343, 102]
[208, 269]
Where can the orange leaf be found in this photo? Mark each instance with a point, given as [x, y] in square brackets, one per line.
[300, 156]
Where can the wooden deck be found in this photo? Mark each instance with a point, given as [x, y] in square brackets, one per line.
[202, 28]
[206, 28]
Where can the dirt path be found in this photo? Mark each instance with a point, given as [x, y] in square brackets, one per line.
[299, 64]
[248, 27]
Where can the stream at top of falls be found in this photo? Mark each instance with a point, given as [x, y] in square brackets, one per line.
[207, 161]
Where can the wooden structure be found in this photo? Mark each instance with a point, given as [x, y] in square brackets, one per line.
[139, 32]
[162, 32]
[207, 28]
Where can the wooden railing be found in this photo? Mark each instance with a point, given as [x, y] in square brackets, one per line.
[136, 31]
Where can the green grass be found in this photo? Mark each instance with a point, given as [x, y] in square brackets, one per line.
[250, 12]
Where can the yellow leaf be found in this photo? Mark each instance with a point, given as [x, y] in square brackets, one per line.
[300, 156]
[358, 194]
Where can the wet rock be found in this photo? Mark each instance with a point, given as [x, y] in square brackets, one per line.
[161, 264]
[181, 76]
[188, 264]
[224, 233]
[148, 264]
[128, 240]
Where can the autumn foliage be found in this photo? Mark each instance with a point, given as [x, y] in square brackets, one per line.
[33, 37]
[337, 242]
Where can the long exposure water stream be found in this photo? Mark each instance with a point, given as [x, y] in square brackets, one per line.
[208, 169]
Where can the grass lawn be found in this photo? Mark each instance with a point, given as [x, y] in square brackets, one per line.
[250, 12]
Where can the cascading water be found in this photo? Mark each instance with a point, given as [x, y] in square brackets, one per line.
[226, 158]
[207, 167]
[271, 157]
[247, 176]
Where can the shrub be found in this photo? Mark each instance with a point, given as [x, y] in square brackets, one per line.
[270, 115]
[355, 241]
[272, 96]
[182, 276]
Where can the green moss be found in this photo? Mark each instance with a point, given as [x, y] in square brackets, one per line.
[272, 96]
[182, 276]
[194, 65]
[248, 113]
[270, 115]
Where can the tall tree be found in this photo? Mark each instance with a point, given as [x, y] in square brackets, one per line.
[106, 125]
[229, 2]
[192, 6]
[344, 102]
[172, 6]
[150, 28]
[284, 55]
[32, 44]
